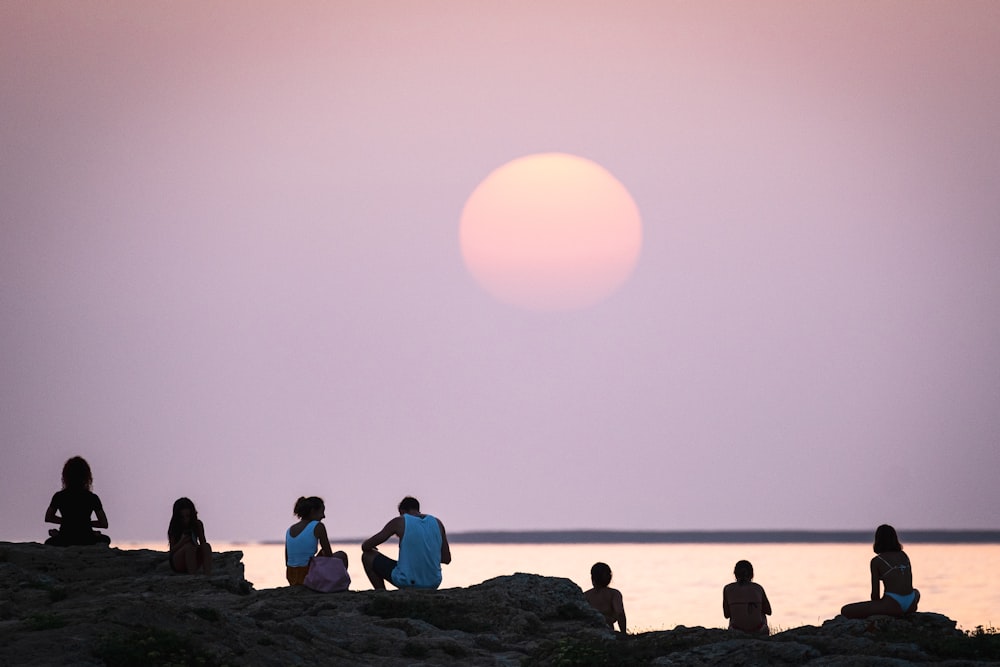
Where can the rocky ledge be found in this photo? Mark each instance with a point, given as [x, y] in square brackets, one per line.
[101, 606]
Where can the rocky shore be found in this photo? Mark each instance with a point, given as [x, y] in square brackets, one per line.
[101, 606]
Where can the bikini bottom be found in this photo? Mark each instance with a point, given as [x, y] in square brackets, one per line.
[904, 601]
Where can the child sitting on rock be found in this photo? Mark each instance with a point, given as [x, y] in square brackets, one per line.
[604, 599]
[745, 603]
[72, 507]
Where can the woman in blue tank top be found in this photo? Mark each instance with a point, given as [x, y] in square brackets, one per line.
[303, 537]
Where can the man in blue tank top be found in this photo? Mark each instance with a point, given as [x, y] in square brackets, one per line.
[423, 547]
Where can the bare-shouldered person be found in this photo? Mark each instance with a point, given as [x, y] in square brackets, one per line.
[605, 599]
[744, 602]
[423, 548]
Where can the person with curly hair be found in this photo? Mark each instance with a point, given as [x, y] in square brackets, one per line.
[72, 508]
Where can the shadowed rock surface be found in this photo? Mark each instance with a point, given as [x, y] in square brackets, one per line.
[101, 606]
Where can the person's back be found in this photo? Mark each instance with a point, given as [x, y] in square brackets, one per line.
[605, 599]
[423, 549]
[76, 507]
[302, 538]
[891, 569]
[72, 508]
[301, 546]
[746, 606]
[419, 563]
[744, 602]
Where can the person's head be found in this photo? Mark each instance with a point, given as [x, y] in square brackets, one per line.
[600, 575]
[743, 571]
[886, 540]
[184, 512]
[409, 504]
[76, 474]
[310, 508]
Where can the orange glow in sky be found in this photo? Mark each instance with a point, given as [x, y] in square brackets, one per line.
[551, 232]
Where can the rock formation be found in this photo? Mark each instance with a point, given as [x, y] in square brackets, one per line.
[101, 606]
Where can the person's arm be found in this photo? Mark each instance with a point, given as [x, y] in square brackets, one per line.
[324, 542]
[50, 513]
[390, 529]
[618, 605]
[101, 521]
[199, 531]
[876, 593]
[445, 549]
[765, 604]
[725, 604]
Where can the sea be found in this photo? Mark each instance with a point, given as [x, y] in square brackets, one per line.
[671, 582]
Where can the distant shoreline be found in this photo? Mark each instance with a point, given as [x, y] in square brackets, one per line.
[705, 537]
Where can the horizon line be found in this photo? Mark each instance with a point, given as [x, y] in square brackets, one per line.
[930, 536]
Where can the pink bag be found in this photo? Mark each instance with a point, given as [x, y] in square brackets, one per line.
[327, 575]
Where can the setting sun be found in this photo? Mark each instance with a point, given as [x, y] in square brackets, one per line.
[551, 232]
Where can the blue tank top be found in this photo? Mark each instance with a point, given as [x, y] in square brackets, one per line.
[301, 547]
[419, 563]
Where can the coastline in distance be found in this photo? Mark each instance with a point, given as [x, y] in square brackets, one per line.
[703, 537]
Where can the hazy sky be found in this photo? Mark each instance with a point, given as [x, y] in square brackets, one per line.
[230, 264]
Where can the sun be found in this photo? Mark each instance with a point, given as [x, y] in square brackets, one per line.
[550, 231]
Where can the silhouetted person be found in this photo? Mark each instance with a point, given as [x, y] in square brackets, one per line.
[604, 599]
[745, 603]
[189, 551]
[73, 506]
[891, 567]
[423, 547]
[303, 537]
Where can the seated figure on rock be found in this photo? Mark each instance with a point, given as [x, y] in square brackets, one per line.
[190, 552]
[605, 599]
[889, 568]
[744, 602]
[72, 508]
[303, 538]
[423, 548]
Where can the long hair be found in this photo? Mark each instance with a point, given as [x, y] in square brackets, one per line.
[76, 474]
[177, 525]
[886, 539]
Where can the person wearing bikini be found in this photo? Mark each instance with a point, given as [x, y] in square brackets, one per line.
[890, 570]
[745, 603]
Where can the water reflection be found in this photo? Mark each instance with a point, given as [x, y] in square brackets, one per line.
[666, 585]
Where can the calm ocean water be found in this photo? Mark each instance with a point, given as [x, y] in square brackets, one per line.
[666, 585]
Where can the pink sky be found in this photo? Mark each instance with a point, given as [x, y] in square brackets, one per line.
[230, 264]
